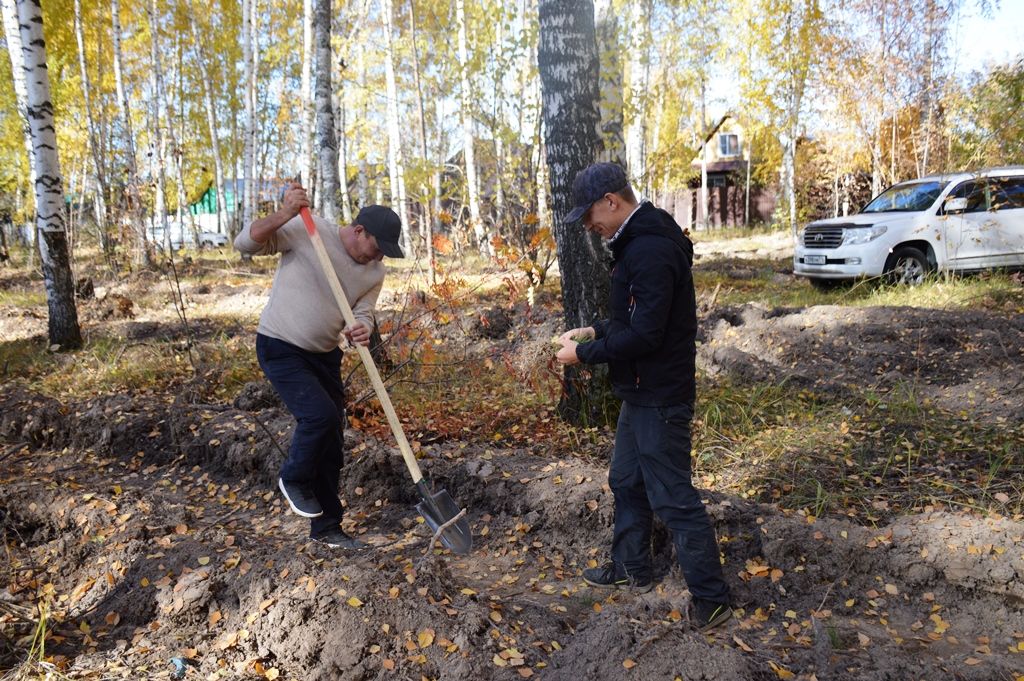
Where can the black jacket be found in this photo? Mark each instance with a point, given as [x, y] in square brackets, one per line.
[648, 342]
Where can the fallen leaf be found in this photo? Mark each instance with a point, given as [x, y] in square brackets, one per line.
[204, 560]
[628, 663]
[354, 602]
[426, 638]
[743, 646]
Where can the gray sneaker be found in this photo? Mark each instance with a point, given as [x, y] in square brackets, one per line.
[300, 498]
[707, 614]
[611, 575]
[339, 539]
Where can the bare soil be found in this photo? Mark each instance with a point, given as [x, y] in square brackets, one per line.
[153, 522]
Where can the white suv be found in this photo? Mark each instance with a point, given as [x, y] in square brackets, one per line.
[962, 222]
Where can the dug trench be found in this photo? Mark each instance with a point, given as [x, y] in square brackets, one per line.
[150, 529]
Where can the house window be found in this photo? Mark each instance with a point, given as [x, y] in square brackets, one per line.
[728, 144]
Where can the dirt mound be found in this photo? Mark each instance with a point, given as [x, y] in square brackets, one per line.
[963, 359]
[155, 532]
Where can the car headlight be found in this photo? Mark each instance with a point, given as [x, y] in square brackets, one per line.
[800, 236]
[862, 235]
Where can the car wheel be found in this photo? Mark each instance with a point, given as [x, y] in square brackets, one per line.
[207, 244]
[908, 266]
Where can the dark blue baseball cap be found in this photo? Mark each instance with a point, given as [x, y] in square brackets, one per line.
[385, 225]
[592, 183]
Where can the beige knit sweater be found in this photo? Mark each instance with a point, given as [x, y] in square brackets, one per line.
[301, 309]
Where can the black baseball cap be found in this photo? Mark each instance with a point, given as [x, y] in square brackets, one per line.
[385, 225]
[592, 183]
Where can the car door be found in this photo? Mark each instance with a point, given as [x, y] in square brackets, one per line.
[970, 232]
[1008, 208]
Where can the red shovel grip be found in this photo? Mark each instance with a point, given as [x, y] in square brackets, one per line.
[307, 218]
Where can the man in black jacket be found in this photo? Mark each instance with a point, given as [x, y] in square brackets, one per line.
[649, 345]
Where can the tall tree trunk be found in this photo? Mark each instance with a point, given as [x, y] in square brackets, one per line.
[143, 253]
[426, 219]
[158, 140]
[14, 48]
[639, 85]
[468, 137]
[95, 146]
[396, 159]
[567, 58]
[306, 112]
[211, 121]
[249, 39]
[327, 144]
[49, 189]
[613, 140]
[342, 136]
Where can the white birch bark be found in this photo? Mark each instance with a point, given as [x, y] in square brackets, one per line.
[306, 112]
[211, 121]
[610, 62]
[639, 85]
[13, 35]
[327, 144]
[396, 158]
[468, 137]
[95, 145]
[157, 142]
[249, 132]
[49, 187]
[143, 253]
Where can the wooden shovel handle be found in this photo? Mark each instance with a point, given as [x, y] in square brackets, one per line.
[364, 352]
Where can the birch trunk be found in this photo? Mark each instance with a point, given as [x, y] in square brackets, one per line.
[639, 84]
[327, 144]
[306, 98]
[468, 140]
[613, 141]
[211, 122]
[95, 145]
[13, 34]
[63, 326]
[396, 159]
[158, 144]
[249, 133]
[426, 219]
[569, 71]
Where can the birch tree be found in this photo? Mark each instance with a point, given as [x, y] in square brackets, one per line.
[211, 118]
[96, 143]
[249, 51]
[468, 136]
[327, 144]
[13, 35]
[396, 158]
[567, 59]
[143, 254]
[639, 65]
[63, 326]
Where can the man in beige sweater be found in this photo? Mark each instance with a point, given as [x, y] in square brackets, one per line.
[297, 342]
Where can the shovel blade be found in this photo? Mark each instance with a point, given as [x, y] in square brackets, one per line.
[438, 508]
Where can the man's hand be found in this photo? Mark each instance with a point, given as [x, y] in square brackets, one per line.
[358, 334]
[295, 199]
[581, 335]
[567, 355]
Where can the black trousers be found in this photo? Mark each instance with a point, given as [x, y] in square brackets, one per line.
[650, 473]
[310, 385]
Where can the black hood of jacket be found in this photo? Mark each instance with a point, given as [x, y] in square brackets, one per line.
[649, 220]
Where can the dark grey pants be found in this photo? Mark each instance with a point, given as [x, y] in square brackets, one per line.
[650, 473]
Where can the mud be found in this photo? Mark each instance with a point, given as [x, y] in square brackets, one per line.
[151, 527]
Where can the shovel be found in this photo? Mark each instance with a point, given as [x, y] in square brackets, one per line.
[437, 508]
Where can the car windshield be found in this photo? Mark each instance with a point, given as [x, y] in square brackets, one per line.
[908, 197]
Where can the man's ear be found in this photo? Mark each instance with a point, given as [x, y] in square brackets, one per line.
[615, 200]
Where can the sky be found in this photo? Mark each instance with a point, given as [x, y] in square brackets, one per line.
[976, 40]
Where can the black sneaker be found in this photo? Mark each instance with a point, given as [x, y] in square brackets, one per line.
[300, 498]
[707, 614]
[338, 539]
[614, 576]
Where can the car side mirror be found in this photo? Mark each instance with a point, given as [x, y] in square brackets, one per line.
[956, 205]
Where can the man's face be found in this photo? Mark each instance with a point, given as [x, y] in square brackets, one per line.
[366, 249]
[602, 218]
